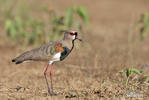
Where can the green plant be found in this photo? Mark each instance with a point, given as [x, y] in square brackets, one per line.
[27, 31]
[145, 28]
[71, 20]
[19, 26]
[128, 73]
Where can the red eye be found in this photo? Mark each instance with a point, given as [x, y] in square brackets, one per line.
[71, 33]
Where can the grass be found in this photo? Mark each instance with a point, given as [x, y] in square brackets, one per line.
[21, 27]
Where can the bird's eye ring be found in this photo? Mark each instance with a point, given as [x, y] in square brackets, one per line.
[71, 33]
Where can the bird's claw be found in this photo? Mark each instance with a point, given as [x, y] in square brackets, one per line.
[52, 93]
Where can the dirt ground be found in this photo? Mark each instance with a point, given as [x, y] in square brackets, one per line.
[90, 72]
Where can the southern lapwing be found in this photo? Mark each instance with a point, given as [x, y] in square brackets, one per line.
[51, 52]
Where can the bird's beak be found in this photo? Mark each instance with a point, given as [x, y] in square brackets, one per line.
[79, 38]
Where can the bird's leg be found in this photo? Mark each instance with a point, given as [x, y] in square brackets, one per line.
[45, 75]
[51, 72]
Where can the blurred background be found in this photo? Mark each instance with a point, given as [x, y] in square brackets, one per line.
[115, 37]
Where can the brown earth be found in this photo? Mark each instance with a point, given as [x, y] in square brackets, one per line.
[111, 43]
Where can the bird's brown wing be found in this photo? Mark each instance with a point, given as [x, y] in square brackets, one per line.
[42, 53]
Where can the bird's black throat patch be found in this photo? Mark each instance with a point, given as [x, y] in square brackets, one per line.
[65, 53]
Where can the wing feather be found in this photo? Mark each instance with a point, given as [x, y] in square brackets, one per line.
[42, 53]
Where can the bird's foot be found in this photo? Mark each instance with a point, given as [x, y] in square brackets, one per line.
[52, 93]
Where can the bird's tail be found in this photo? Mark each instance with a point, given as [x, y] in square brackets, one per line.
[23, 57]
[16, 60]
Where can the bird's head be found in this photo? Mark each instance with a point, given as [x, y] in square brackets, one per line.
[72, 35]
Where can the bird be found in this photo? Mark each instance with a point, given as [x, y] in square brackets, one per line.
[51, 53]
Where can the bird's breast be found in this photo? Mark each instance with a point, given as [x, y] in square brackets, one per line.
[65, 53]
[59, 48]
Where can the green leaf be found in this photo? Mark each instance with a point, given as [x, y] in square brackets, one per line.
[146, 19]
[69, 17]
[19, 25]
[136, 71]
[143, 32]
[83, 14]
[128, 72]
[10, 29]
[8, 25]
[145, 28]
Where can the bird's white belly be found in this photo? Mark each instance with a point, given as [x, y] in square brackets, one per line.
[55, 58]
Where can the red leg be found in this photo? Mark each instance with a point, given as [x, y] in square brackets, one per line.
[45, 75]
[51, 73]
